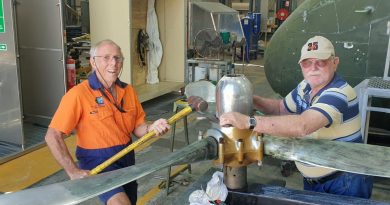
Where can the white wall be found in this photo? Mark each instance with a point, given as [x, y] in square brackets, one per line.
[111, 20]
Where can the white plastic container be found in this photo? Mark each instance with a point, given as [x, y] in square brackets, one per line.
[214, 73]
[203, 89]
[200, 73]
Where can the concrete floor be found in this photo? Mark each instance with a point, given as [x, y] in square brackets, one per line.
[268, 173]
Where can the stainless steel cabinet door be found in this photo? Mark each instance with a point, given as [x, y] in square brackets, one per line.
[41, 48]
[11, 137]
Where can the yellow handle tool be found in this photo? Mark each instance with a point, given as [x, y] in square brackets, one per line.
[185, 111]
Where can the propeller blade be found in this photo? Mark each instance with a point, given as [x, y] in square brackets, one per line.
[345, 156]
[76, 191]
[351, 157]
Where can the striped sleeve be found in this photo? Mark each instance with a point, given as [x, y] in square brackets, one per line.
[332, 103]
[291, 100]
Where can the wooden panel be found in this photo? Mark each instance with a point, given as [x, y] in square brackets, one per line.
[149, 91]
[139, 11]
[175, 40]
[138, 72]
[241, 6]
[172, 33]
[160, 11]
[172, 25]
[139, 8]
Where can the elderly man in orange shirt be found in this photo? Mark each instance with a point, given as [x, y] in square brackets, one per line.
[104, 111]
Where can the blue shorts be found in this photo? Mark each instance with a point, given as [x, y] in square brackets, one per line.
[348, 184]
[89, 159]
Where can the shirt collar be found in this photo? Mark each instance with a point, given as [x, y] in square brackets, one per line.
[95, 84]
[335, 78]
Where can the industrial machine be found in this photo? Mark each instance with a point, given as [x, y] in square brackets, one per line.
[234, 94]
[208, 44]
[215, 28]
[214, 34]
[251, 25]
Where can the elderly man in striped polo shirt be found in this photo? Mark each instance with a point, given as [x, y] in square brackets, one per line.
[322, 106]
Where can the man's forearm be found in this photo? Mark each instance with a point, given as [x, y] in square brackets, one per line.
[141, 130]
[286, 125]
[291, 125]
[267, 106]
[57, 146]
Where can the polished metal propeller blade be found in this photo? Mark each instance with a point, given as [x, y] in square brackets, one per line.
[350, 157]
[76, 191]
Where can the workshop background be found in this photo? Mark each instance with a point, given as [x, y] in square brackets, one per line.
[44, 52]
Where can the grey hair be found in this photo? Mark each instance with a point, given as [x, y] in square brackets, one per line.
[95, 47]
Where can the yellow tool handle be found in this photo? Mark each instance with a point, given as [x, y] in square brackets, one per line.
[187, 110]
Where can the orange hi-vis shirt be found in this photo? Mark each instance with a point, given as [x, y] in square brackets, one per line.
[98, 122]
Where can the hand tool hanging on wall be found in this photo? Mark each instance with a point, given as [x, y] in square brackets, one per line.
[142, 46]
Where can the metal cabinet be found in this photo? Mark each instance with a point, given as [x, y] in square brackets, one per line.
[32, 69]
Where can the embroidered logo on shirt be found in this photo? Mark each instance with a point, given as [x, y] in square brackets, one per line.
[99, 100]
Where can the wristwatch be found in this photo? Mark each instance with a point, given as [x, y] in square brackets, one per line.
[252, 122]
